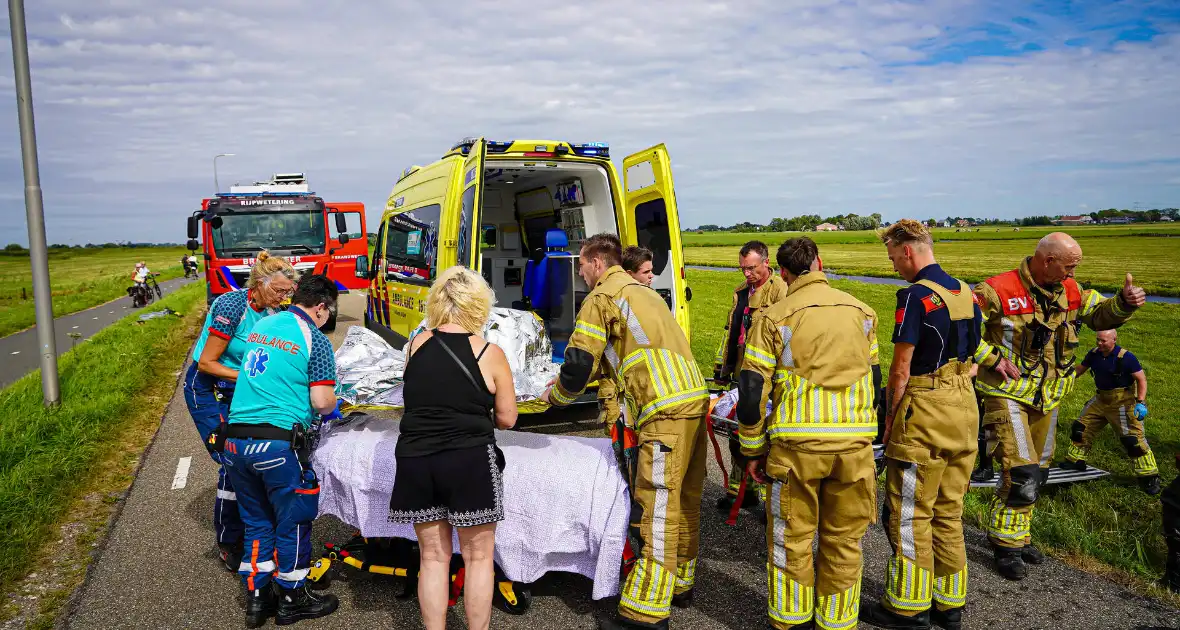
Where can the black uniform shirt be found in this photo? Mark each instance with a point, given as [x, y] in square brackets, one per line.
[924, 321]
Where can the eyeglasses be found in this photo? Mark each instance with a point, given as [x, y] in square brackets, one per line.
[283, 293]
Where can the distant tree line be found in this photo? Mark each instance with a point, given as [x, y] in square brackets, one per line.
[873, 221]
[802, 223]
[17, 248]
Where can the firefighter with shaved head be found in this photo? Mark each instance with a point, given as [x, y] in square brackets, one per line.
[1032, 316]
[626, 330]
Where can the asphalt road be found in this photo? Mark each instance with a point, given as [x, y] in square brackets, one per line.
[157, 569]
[20, 351]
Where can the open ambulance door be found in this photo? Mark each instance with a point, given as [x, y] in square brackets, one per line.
[471, 207]
[650, 220]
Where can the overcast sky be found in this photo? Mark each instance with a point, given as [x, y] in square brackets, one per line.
[769, 108]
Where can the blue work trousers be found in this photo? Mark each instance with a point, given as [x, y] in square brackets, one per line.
[279, 499]
[208, 401]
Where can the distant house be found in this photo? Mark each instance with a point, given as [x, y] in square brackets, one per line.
[962, 223]
[827, 227]
[1118, 220]
[1068, 219]
[1166, 219]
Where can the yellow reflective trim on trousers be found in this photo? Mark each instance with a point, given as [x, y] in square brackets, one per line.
[788, 602]
[839, 611]
[1145, 465]
[907, 585]
[1006, 523]
[951, 590]
[648, 589]
[590, 330]
[1075, 453]
[686, 575]
[760, 357]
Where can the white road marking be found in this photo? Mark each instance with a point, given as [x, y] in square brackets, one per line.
[180, 479]
[75, 326]
[17, 352]
[95, 318]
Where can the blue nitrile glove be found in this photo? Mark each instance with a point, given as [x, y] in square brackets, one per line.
[335, 413]
[1140, 411]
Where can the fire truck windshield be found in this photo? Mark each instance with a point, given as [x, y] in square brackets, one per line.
[288, 233]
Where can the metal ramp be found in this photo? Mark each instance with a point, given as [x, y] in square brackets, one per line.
[726, 426]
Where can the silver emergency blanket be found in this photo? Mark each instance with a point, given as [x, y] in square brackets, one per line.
[369, 371]
[575, 521]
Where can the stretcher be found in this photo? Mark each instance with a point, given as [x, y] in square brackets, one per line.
[576, 522]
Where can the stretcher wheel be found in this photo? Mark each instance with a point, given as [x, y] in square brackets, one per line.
[513, 598]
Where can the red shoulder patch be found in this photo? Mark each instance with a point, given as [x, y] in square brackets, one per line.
[899, 316]
[932, 303]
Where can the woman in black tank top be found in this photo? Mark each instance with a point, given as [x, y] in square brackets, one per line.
[458, 388]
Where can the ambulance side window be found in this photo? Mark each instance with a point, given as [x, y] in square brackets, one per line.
[411, 245]
[651, 230]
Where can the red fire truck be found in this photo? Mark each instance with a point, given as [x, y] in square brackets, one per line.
[283, 217]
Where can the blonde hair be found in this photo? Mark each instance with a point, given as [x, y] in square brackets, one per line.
[266, 267]
[459, 296]
[906, 232]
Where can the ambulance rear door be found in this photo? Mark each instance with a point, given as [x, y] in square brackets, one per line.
[471, 207]
[651, 221]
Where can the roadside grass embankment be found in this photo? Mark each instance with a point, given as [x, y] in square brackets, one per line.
[1109, 520]
[113, 390]
[79, 279]
[981, 233]
[1151, 259]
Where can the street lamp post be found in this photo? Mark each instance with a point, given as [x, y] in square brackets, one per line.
[216, 185]
[34, 207]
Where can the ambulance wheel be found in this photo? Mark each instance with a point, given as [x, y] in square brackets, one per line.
[513, 598]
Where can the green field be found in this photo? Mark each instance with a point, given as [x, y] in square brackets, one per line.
[1110, 519]
[79, 278]
[991, 233]
[1106, 260]
[46, 455]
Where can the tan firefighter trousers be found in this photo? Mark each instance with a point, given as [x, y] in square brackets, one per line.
[834, 494]
[1021, 438]
[1115, 407]
[930, 454]
[665, 515]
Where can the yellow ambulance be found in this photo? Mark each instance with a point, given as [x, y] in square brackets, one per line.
[517, 211]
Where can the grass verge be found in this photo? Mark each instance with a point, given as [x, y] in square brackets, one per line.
[72, 464]
[79, 279]
[1150, 259]
[1109, 520]
[988, 233]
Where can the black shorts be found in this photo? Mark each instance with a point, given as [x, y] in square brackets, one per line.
[463, 487]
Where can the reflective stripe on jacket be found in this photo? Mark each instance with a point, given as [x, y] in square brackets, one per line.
[812, 353]
[645, 351]
[773, 290]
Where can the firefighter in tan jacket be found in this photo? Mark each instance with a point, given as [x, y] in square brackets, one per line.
[1031, 319]
[761, 288]
[665, 399]
[815, 355]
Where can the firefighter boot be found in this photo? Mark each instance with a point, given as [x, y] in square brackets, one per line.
[230, 555]
[1031, 555]
[950, 619]
[683, 600]
[619, 622]
[880, 616]
[1010, 564]
[260, 604]
[1150, 484]
[296, 604]
[983, 473]
[1079, 465]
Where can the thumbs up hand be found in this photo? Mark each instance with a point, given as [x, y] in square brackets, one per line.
[1133, 296]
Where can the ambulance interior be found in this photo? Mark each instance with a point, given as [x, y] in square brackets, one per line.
[535, 216]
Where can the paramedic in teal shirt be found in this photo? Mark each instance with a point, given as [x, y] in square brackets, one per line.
[209, 384]
[288, 377]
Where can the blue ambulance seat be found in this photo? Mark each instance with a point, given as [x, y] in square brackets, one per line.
[536, 271]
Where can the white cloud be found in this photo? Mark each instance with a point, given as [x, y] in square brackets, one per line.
[778, 108]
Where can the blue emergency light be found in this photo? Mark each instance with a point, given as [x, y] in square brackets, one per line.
[266, 194]
[592, 149]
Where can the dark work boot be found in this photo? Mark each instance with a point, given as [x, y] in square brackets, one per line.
[230, 556]
[260, 604]
[619, 622]
[880, 616]
[296, 604]
[683, 600]
[1031, 555]
[1010, 564]
[1150, 485]
[983, 472]
[1079, 465]
[950, 619]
